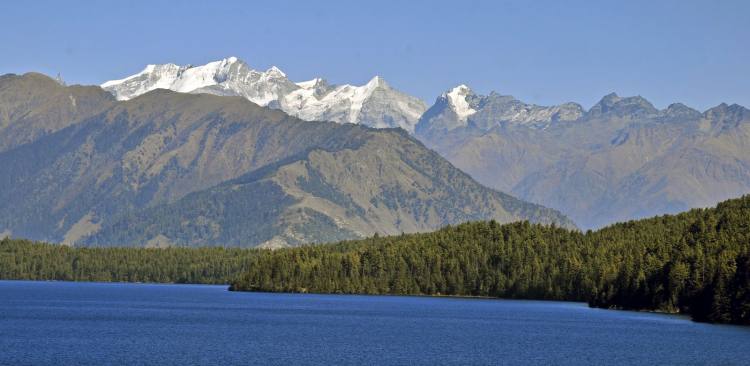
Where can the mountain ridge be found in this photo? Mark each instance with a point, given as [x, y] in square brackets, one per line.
[34, 105]
[158, 148]
[312, 100]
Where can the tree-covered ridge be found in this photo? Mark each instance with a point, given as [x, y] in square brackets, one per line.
[26, 260]
[697, 263]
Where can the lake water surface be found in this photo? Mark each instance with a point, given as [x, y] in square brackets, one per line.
[63, 323]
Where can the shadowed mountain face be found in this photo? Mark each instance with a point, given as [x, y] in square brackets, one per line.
[623, 159]
[192, 169]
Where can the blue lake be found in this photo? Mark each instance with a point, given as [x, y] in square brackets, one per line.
[63, 323]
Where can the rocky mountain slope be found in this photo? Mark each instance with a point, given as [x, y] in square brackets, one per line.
[375, 104]
[169, 168]
[379, 182]
[622, 159]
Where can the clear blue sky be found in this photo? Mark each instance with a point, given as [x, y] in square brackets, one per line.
[539, 51]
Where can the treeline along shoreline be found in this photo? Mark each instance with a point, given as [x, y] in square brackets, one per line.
[696, 263]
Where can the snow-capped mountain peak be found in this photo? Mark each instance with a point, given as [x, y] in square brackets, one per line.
[460, 107]
[317, 100]
[377, 81]
[374, 104]
[311, 84]
[457, 99]
[275, 71]
[184, 79]
[150, 78]
[461, 89]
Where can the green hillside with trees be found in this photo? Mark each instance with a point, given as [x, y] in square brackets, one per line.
[26, 260]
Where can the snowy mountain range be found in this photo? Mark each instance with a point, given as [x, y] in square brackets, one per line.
[375, 104]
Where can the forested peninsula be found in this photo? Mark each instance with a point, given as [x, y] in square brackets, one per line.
[696, 263]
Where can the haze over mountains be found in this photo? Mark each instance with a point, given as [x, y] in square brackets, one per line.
[622, 159]
[167, 168]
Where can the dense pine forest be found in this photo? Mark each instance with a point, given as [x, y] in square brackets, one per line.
[25, 260]
[696, 263]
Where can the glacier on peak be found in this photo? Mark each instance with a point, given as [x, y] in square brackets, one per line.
[275, 71]
[374, 104]
[316, 100]
[311, 84]
[457, 98]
